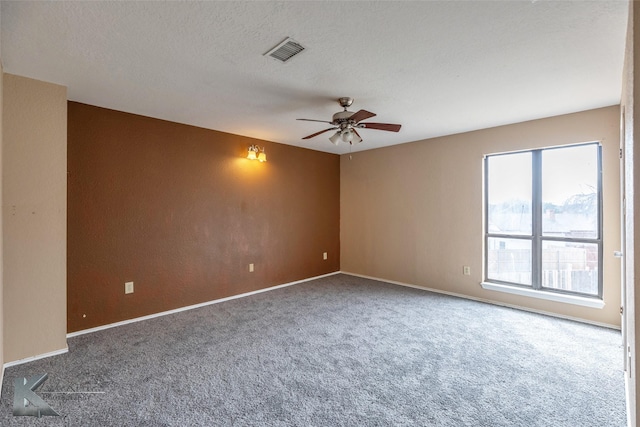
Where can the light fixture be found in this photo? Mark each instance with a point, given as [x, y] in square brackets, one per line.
[346, 135]
[256, 153]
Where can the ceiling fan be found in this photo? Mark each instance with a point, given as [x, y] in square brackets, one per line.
[346, 123]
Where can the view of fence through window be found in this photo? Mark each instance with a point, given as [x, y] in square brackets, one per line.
[543, 219]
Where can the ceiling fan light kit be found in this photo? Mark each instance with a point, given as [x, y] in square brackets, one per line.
[346, 122]
[347, 135]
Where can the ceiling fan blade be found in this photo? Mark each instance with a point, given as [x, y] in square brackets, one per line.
[318, 133]
[361, 115]
[312, 120]
[357, 134]
[380, 126]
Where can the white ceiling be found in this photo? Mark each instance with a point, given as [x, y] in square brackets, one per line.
[436, 67]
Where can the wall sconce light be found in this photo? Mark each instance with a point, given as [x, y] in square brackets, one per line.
[257, 153]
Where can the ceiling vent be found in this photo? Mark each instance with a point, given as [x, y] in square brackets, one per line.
[286, 50]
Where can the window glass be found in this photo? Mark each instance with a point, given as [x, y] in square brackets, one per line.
[570, 266]
[509, 193]
[509, 260]
[570, 192]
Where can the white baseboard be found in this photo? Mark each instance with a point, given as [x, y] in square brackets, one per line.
[36, 357]
[191, 307]
[488, 301]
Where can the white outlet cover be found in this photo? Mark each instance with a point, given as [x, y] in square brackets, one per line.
[128, 287]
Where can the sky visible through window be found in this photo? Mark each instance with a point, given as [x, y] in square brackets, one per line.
[569, 171]
[555, 164]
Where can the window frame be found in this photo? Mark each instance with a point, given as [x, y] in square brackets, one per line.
[536, 237]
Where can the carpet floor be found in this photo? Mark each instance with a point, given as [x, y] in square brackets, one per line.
[337, 351]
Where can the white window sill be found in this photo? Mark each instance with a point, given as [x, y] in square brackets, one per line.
[551, 296]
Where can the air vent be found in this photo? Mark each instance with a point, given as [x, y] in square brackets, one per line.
[286, 50]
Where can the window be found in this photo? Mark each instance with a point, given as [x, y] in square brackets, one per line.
[543, 220]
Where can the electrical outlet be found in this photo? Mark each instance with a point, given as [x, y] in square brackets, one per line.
[128, 287]
[250, 268]
[324, 256]
[466, 270]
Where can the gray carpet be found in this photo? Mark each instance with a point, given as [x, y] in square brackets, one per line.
[339, 351]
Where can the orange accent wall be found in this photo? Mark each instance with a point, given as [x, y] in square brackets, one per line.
[182, 213]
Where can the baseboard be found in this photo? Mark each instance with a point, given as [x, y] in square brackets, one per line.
[191, 307]
[487, 301]
[36, 357]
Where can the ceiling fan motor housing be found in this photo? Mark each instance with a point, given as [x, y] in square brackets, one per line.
[342, 117]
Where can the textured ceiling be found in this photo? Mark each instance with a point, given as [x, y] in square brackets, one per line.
[436, 67]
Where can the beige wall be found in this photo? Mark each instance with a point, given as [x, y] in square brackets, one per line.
[412, 213]
[34, 203]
